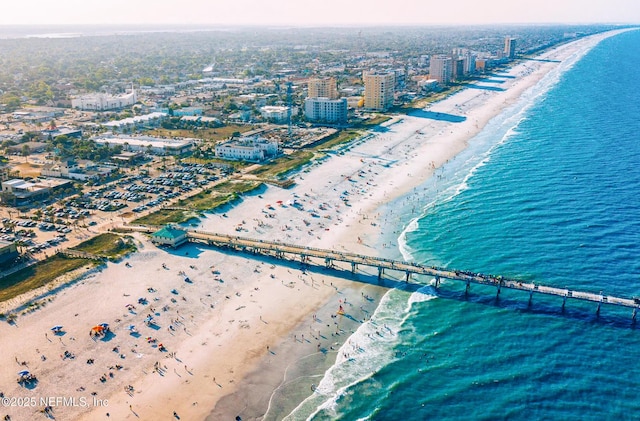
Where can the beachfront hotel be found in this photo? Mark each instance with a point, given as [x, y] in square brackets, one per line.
[378, 90]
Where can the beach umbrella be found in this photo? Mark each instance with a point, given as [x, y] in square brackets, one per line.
[23, 373]
[132, 327]
[56, 328]
[148, 319]
[97, 329]
[104, 325]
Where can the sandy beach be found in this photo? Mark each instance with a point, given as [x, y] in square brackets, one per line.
[218, 334]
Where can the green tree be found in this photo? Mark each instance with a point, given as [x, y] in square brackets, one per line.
[25, 152]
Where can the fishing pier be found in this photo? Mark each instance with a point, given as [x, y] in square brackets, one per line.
[328, 257]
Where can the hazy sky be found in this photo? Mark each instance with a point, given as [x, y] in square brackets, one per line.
[318, 12]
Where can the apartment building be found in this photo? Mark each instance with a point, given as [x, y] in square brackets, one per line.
[322, 88]
[378, 90]
[441, 69]
[326, 110]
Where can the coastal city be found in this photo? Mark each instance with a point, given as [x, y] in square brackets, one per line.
[153, 180]
[77, 153]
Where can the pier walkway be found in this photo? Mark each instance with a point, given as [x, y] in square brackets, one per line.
[304, 254]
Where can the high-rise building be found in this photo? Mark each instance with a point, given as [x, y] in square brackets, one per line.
[509, 47]
[469, 63]
[323, 88]
[457, 66]
[441, 69]
[378, 90]
[326, 110]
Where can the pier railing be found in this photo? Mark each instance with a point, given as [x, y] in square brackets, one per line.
[304, 254]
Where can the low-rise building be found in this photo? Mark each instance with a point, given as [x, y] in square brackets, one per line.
[247, 148]
[149, 144]
[54, 133]
[428, 85]
[277, 113]
[75, 171]
[20, 192]
[103, 102]
[138, 122]
[8, 253]
[169, 236]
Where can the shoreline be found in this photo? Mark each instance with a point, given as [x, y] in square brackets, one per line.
[228, 335]
[389, 237]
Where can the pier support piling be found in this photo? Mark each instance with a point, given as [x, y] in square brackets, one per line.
[408, 276]
[353, 267]
[380, 272]
[633, 315]
[530, 298]
[437, 281]
[564, 302]
[466, 289]
[598, 309]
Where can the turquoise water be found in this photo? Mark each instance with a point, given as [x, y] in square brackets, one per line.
[549, 191]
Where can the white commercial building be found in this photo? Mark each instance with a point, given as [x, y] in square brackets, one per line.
[277, 113]
[102, 102]
[326, 110]
[250, 148]
[149, 144]
[140, 121]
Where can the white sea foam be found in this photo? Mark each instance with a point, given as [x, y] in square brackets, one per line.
[498, 131]
[367, 350]
[426, 293]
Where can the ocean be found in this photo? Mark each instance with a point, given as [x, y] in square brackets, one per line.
[548, 192]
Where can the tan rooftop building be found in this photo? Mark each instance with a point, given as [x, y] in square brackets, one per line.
[379, 88]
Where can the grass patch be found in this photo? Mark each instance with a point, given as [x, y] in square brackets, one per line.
[237, 186]
[219, 195]
[375, 121]
[165, 216]
[435, 97]
[108, 244]
[284, 164]
[206, 200]
[338, 139]
[38, 275]
[219, 133]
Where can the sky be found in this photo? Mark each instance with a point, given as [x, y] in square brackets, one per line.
[318, 12]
